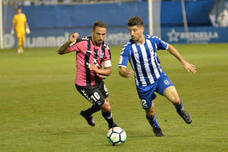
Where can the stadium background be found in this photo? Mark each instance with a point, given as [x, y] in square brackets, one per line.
[52, 24]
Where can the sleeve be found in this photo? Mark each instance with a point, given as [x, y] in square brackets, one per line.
[107, 57]
[14, 20]
[160, 44]
[124, 57]
[78, 45]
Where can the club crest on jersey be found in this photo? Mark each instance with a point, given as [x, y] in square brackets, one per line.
[166, 82]
[102, 55]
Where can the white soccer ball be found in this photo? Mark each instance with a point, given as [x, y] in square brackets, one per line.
[116, 136]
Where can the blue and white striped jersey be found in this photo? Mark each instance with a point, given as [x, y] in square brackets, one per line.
[143, 59]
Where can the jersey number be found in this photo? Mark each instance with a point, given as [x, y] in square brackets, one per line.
[95, 96]
[144, 104]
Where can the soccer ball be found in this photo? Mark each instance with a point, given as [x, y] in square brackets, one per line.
[116, 136]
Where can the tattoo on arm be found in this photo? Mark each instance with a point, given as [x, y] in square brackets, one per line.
[64, 48]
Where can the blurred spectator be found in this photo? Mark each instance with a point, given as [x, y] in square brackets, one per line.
[48, 2]
[216, 12]
[67, 1]
[27, 2]
[223, 19]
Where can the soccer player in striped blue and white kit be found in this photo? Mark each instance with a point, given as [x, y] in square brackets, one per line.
[141, 52]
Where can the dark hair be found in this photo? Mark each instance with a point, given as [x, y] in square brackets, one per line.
[135, 20]
[99, 24]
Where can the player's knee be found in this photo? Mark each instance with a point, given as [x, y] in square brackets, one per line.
[107, 100]
[175, 99]
[106, 107]
[150, 113]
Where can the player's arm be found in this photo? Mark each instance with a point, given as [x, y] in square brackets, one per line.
[65, 47]
[123, 61]
[13, 26]
[189, 67]
[107, 71]
[26, 24]
[124, 72]
[27, 29]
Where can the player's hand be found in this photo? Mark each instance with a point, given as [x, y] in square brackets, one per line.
[130, 73]
[190, 67]
[94, 68]
[12, 31]
[27, 30]
[74, 37]
[125, 73]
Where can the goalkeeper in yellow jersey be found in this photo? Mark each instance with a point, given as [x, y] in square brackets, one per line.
[19, 23]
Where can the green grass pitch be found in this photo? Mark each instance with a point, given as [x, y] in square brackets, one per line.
[39, 106]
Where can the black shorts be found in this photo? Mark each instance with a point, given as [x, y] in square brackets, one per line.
[95, 94]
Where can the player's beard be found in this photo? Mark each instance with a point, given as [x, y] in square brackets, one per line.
[135, 39]
[99, 42]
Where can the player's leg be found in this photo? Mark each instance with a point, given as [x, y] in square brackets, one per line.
[106, 107]
[91, 110]
[20, 41]
[146, 95]
[19, 45]
[171, 94]
[167, 89]
[98, 96]
[107, 114]
[151, 118]
[87, 114]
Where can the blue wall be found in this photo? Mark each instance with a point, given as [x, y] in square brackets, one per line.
[115, 14]
[196, 12]
[83, 15]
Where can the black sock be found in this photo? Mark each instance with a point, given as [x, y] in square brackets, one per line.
[179, 107]
[153, 122]
[108, 117]
[92, 109]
